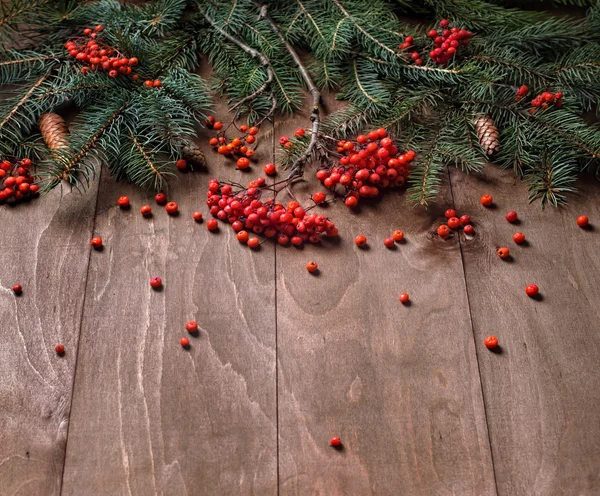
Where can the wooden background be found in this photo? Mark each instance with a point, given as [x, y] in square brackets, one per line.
[285, 360]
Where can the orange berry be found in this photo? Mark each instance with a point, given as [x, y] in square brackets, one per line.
[217, 126]
[312, 266]
[360, 240]
[443, 231]
[491, 342]
[398, 235]
[243, 163]
[253, 130]
[250, 153]
[243, 128]
[503, 252]
[250, 139]
[486, 200]
[213, 142]
[236, 142]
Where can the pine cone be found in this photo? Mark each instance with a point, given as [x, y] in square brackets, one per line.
[193, 154]
[487, 133]
[54, 131]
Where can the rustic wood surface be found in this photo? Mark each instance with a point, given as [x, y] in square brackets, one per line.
[285, 360]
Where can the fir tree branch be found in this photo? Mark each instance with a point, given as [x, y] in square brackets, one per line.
[8, 63]
[22, 101]
[154, 170]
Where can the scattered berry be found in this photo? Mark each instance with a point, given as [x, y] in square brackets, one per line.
[491, 342]
[312, 266]
[468, 229]
[197, 216]
[398, 235]
[335, 442]
[217, 126]
[181, 164]
[532, 290]
[17, 289]
[212, 225]
[360, 240]
[443, 231]
[404, 298]
[270, 170]
[155, 282]
[59, 349]
[454, 222]
[518, 238]
[486, 200]
[583, 221]
[191, 326]
[389, 242]
[243, 163]
[465, 220]
[184, 342]
[450, 213]
[511, 216]
[160, 198]
[146, 210]
[242, 236]
[253, 243]
[123, 202]
[171, 208]
[97, 242]
[503, 252]
[319, 197]
[300, 132]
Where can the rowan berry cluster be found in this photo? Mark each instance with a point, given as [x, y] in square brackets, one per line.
[285, 142]
[454, 222]
[16, 182]
[247, 214]
[368, 165]
[545, 99]
[90, 50]
[447, 41]
[521, 93]
[237, 146]
[414, 54]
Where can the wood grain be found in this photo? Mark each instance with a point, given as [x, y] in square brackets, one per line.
[45, 248]
[399, 384]
[541, 392]
[150, 417]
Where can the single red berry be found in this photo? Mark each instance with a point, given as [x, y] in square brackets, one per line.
[486, 200]
[389, 242]
[123, 202]
[17, 289]
[97, 242]
[404, 298]
[242, 236]
[270, 169]
[299, 132]
[253, 131]
[351, 201]
[491, 342]
[511, 216]
[253, 243]
[503, 252]
[583, 221]
[518, 237]
[171, 208]
[184, 342]
[443, 231]
[319, 197]
[217, 126]
[181, 164]
[450, 213]
[465, 220]
[160, 198]
[398, 235]
[156, 83]
[146, 210]
[197, 216]
[454, 222]
[360, 240]
[532, 290]
[468, 229]
[212, 224]
[155, 282]
[59, 349]
[312, 266]
[335, 442]
[191, 326]
[243, 163]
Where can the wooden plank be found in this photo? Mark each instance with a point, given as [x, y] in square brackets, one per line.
[150, 417]
[541, 393]
[399, 384]
[45, 248]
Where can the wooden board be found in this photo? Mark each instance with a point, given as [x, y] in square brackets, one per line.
[150, 417]
[45, 248]
[541, 392]
[399, 384]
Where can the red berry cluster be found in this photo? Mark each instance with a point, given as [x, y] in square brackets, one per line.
[236, 146]
[368, 165]
[414, 54]
[246, 212]
[521, 92]
[16, 181]
[89, 50]
[546, 99]
[447, 42]
[454, 222]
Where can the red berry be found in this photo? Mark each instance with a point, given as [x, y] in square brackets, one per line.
[300, 132]
[398, 235]
[97, 242]
[518, 238]
[217, 126]
[491, 342]
[443, 231]
[511, 216]
[184, 342]
[212, 225]
[532, 290]
[59, 349]
[404, 297]
[197, 216]
[242, 236]
[156, 83]
[503, 252]
[123, 202]
[160, 198]
[191, 326]
[146, 210]
[468, 229]
[270, 169]
[312, 266]
[583, 221]
[335, 442]
[181, 164]
[454, 222]
[351, 201]
[17, 289]
[253, 131]
[253, 243]
[319, 197]
[360, 240]
[486, 200]
[171, 208]
[465, 219]
[155, 282]
[243, 163]
[450, 213]
[389, 242]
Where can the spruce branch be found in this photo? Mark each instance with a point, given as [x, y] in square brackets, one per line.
[22, 101]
